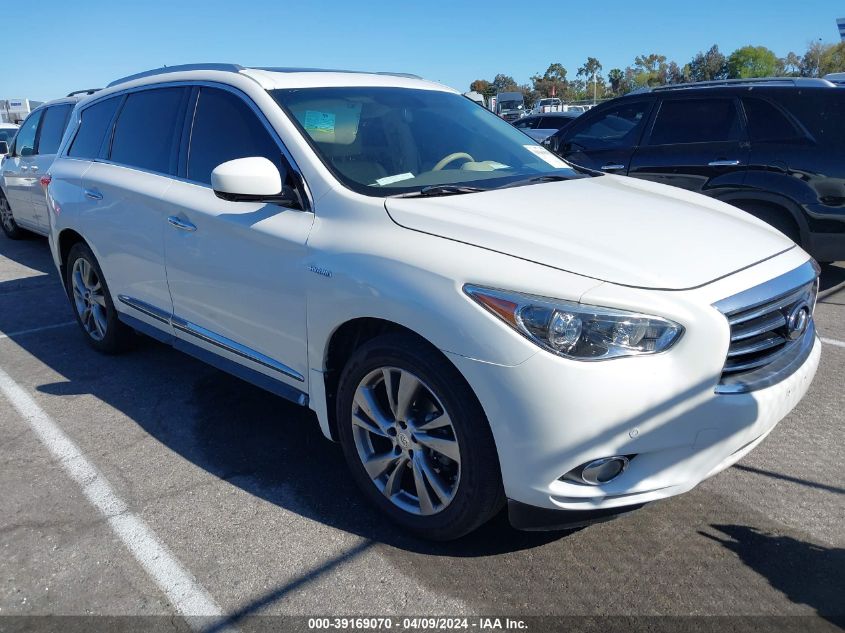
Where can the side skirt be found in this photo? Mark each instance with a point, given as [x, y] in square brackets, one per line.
[224, 364]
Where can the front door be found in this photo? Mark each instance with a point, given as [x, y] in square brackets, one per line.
[235, 269]
[606, 139]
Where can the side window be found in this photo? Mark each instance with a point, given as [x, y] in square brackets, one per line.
[767, 123]
[25, 141]
[96, 120]
[526, 123]
[226, 128]
[615, 127]
[148, 130]
[696, 121]
[53, 128]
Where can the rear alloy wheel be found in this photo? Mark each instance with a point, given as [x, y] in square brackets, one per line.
[7, 220]
[92, 303]
[416, 438]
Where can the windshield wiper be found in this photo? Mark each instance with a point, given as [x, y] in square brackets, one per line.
[438, 190]
[535, 179]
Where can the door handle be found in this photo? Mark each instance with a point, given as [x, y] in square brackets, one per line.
[181, 224]
[723, 163]
[92, 194]
[612, 167]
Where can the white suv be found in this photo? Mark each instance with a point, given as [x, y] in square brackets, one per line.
[473, 319]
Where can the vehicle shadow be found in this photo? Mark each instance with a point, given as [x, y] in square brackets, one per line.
[806, 573]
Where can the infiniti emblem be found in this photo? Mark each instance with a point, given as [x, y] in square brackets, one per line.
[797, 321]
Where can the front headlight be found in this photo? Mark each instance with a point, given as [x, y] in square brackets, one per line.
[578, 331]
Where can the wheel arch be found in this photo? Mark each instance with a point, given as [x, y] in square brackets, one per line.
[773, 202]
[64, 242]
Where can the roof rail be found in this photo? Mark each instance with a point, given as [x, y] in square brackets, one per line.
[232, 68]
[805, 82]
[334, 70]
[90, 91]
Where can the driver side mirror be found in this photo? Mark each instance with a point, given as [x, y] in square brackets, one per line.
[253, 179]
[4, 148]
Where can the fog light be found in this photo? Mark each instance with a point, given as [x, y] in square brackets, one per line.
[598, 471]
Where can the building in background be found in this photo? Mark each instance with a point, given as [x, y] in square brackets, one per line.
[841, 24]
[16, 110]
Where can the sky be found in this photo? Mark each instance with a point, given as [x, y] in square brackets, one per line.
[57, 46]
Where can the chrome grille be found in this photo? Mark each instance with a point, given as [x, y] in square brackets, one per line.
[769, 336]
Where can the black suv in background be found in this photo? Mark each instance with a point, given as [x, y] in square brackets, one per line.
[772, 147]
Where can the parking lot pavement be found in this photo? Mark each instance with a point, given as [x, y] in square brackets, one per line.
[241, 488]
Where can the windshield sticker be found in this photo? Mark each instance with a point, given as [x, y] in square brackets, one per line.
[391, 179]
[496, 165]
[319, 122]
[545, 155]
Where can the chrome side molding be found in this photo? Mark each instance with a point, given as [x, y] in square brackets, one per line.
[233, 347]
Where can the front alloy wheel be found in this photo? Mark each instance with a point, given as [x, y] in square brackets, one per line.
[406, 441]
[7, 220]
[416, 438]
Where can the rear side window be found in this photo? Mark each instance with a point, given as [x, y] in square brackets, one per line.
[527, 123]
[53, 128]
[554, 122]
[614, 127]
[148, 128]
[766, 122]
[226, 128]
[819, 111]
[696, 121]
[25, 142]
[95, 123]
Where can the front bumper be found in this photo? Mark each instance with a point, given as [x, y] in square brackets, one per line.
[549, 415]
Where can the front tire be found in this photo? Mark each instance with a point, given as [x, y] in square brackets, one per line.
[92, 303]
[7, 221]
[416, 439]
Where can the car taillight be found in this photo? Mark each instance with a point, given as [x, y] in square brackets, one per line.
[46, 179]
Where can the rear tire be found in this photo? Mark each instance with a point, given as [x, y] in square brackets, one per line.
[7, 221]
[441, 477]
[92, 303]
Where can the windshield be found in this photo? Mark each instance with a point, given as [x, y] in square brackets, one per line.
[7, 133]
[387, 141]
[510, 104]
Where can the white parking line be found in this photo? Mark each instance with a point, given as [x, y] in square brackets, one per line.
[35, 330]
[181, 588]
[831, 341]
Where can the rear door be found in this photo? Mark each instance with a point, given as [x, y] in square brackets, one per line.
[50, 132]
[127, 210]
[696, 143]
[605, 140]
[19, 172]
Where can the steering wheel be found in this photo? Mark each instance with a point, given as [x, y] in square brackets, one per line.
[451, 157]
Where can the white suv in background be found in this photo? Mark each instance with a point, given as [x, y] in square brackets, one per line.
[23, 205]
[472, 318]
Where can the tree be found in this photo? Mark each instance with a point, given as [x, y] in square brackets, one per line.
[677, 75]
[590, 71]
[651, 70]
[482, 86]
[832, 59]
[708, 66]
[615, 76]
[791, 65]
[504, 83]
[551, 82]
[752, 61]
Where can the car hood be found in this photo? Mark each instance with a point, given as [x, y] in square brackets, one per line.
[611, 228]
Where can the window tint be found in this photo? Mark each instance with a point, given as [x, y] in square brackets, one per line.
[226, 128]
[52, 128]
[615, 127]
[819, 110]
[695, 121]
[148, 130]
[526, 123]
[25, 143]
[95, 123]
[766, 122]
[554, 122]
